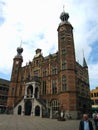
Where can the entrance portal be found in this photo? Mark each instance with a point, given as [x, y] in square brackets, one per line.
[19, 110]
[28, 107]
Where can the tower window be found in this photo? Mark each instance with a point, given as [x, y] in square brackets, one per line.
[63, 83]
[63, 51]
[63, 64]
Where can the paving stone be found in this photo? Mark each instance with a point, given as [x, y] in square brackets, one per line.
[15, 122]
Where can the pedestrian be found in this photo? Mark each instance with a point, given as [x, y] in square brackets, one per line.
[96, 121]
[85, 123]
[94, 115]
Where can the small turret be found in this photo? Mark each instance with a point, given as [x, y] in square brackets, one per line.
[38, 53]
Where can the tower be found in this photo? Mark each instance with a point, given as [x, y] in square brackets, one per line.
[17, 64]
[66, 43]
[67, 63]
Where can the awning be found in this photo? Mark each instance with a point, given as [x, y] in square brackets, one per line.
[95, 108]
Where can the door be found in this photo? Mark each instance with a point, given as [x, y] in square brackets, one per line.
[37, 111]
[28, 107]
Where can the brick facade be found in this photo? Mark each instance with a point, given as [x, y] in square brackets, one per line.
[61, 78]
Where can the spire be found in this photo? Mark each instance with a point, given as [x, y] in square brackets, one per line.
[84, 61]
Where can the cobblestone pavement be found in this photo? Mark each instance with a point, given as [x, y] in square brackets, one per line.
[15, 122]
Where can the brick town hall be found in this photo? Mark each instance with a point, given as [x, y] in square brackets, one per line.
[52, 84]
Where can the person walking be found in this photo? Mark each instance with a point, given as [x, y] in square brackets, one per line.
[96, 121]
[85, 123]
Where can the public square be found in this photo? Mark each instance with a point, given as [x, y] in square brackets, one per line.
[15, 122]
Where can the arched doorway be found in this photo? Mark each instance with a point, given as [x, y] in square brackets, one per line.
[30, 91]
[19, 110]
[28, 107]
[37, 111]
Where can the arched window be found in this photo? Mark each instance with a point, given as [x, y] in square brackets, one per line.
[29, 90]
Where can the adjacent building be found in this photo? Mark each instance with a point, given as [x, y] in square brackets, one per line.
[53, 84]
[94, 99]
[4, 87]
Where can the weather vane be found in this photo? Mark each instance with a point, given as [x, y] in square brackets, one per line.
[63, 7]
[21, 43]
[83, 52]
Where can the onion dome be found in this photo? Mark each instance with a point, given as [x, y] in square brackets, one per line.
[19, 50]
[64, 16]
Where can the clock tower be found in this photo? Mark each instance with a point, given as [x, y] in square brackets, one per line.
[67, 62]
[17, 64]
[66, 41]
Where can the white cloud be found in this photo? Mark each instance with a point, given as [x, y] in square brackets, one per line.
[93, 75]
[30, 19]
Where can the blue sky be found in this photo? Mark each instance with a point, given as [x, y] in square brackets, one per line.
[35, 22]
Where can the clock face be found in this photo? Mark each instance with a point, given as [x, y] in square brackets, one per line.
[62, 28]
[17, 62]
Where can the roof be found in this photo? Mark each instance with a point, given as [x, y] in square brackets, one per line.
[4, 81]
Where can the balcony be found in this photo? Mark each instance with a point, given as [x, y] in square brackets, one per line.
[33, 78]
